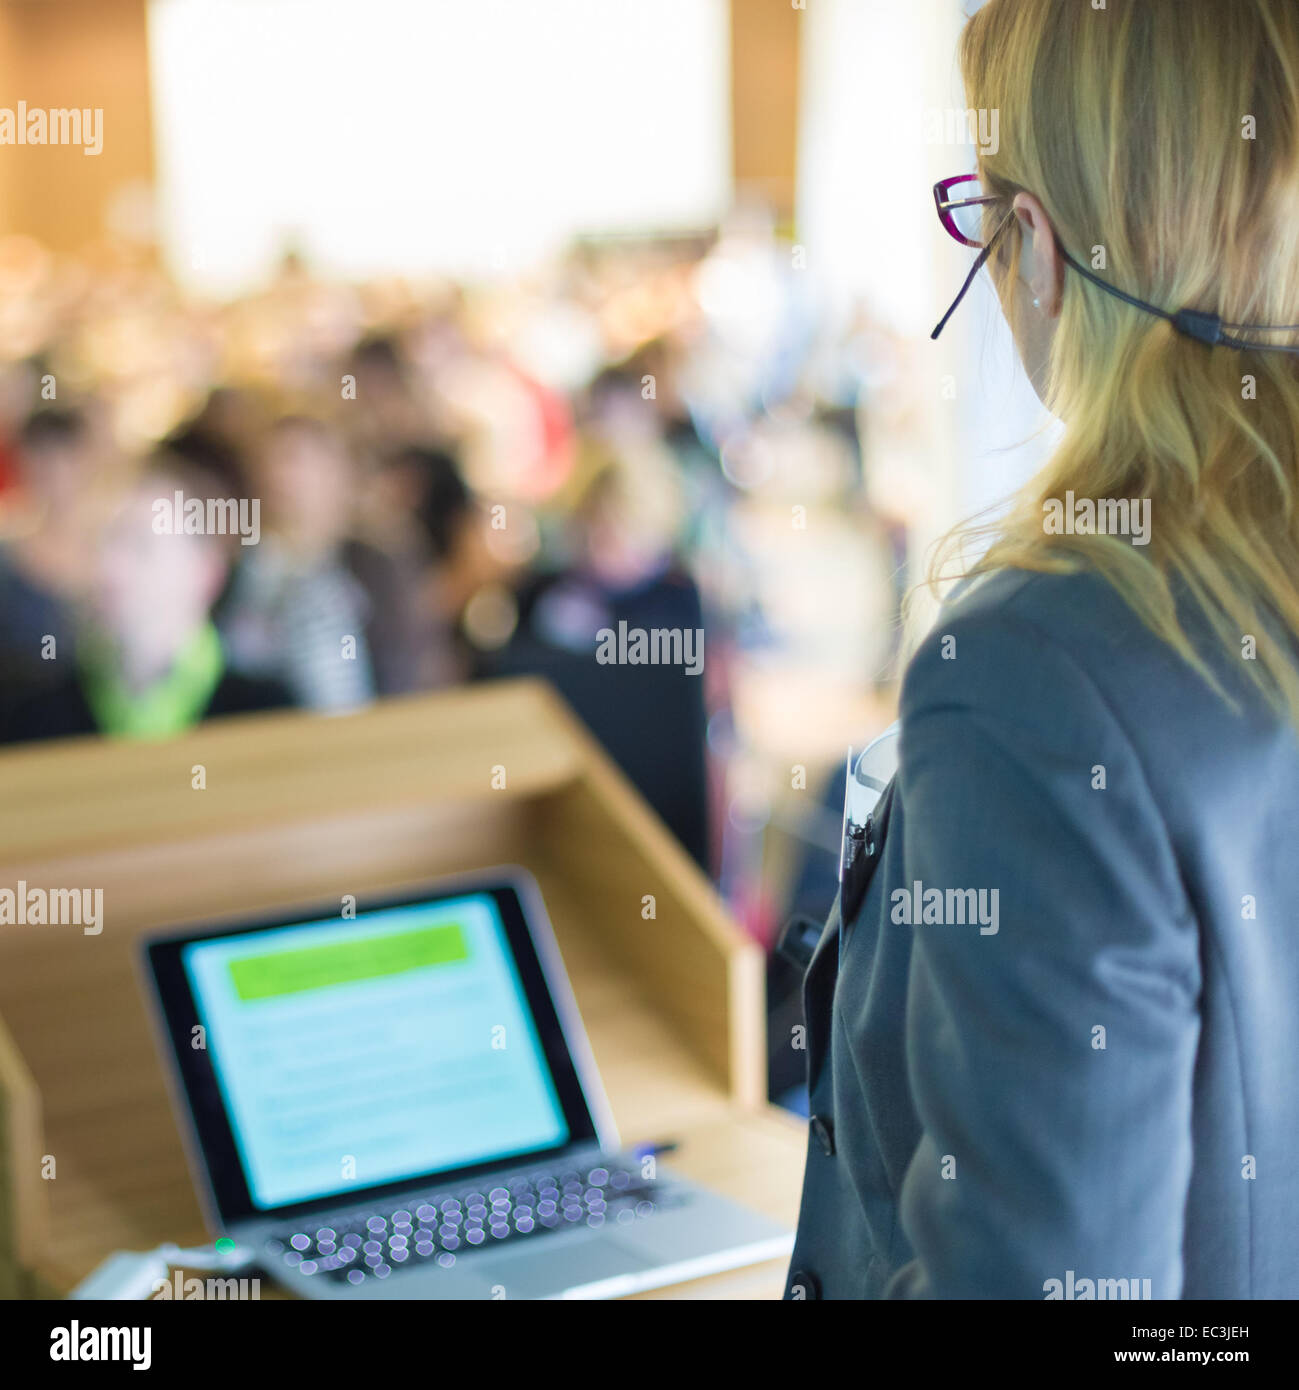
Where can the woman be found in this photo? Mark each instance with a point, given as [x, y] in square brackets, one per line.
[1053, 1045]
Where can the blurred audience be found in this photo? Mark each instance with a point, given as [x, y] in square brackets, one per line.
[454, 483]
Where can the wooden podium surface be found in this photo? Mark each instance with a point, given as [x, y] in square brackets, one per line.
[299, 807]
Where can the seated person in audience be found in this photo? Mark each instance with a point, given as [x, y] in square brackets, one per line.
[310, 605]
[437, 528]
[149, 661]
[387, 413]
[225, 432]
[43, 562]
[623, 574]
[218, 456]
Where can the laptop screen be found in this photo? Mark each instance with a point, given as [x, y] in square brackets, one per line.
[346, 1054]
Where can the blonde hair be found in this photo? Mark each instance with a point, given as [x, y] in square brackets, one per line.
[1132, 126]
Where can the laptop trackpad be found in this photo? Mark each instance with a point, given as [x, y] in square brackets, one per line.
[565, 1265]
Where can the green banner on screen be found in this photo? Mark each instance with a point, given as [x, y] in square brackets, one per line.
[314, 967]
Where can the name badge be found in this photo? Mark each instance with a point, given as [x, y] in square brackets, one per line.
[865, 782]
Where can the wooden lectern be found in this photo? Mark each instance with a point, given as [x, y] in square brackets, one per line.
[300, 807]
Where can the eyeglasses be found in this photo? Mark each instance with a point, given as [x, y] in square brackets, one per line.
[963, 209]
[961, 204]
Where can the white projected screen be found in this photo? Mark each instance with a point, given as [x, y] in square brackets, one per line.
[408, 136]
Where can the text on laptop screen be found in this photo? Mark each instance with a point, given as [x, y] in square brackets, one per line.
[358, 1052]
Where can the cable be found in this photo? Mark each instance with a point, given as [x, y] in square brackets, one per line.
[1204, 328]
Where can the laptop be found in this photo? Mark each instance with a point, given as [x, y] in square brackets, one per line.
[398, 1099]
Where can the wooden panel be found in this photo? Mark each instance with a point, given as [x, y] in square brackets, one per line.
[764, 101]
[74, 53]
[282, 767]
[689, 957]
[24, 1213]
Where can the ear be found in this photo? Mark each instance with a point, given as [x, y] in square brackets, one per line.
[1040, 265]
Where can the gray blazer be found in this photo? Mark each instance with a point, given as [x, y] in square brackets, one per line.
[1086, 1085]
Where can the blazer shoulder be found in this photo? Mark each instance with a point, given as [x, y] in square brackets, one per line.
[1017, 637]
[1080, 611]
[1064, 606]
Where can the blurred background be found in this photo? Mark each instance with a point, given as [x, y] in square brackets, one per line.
[519, 318]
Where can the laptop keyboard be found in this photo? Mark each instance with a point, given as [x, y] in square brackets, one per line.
[447, 1226]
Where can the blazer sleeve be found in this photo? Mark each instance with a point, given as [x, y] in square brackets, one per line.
[1050, 1059]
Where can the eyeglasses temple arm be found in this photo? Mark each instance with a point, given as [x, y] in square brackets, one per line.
[978, 265]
